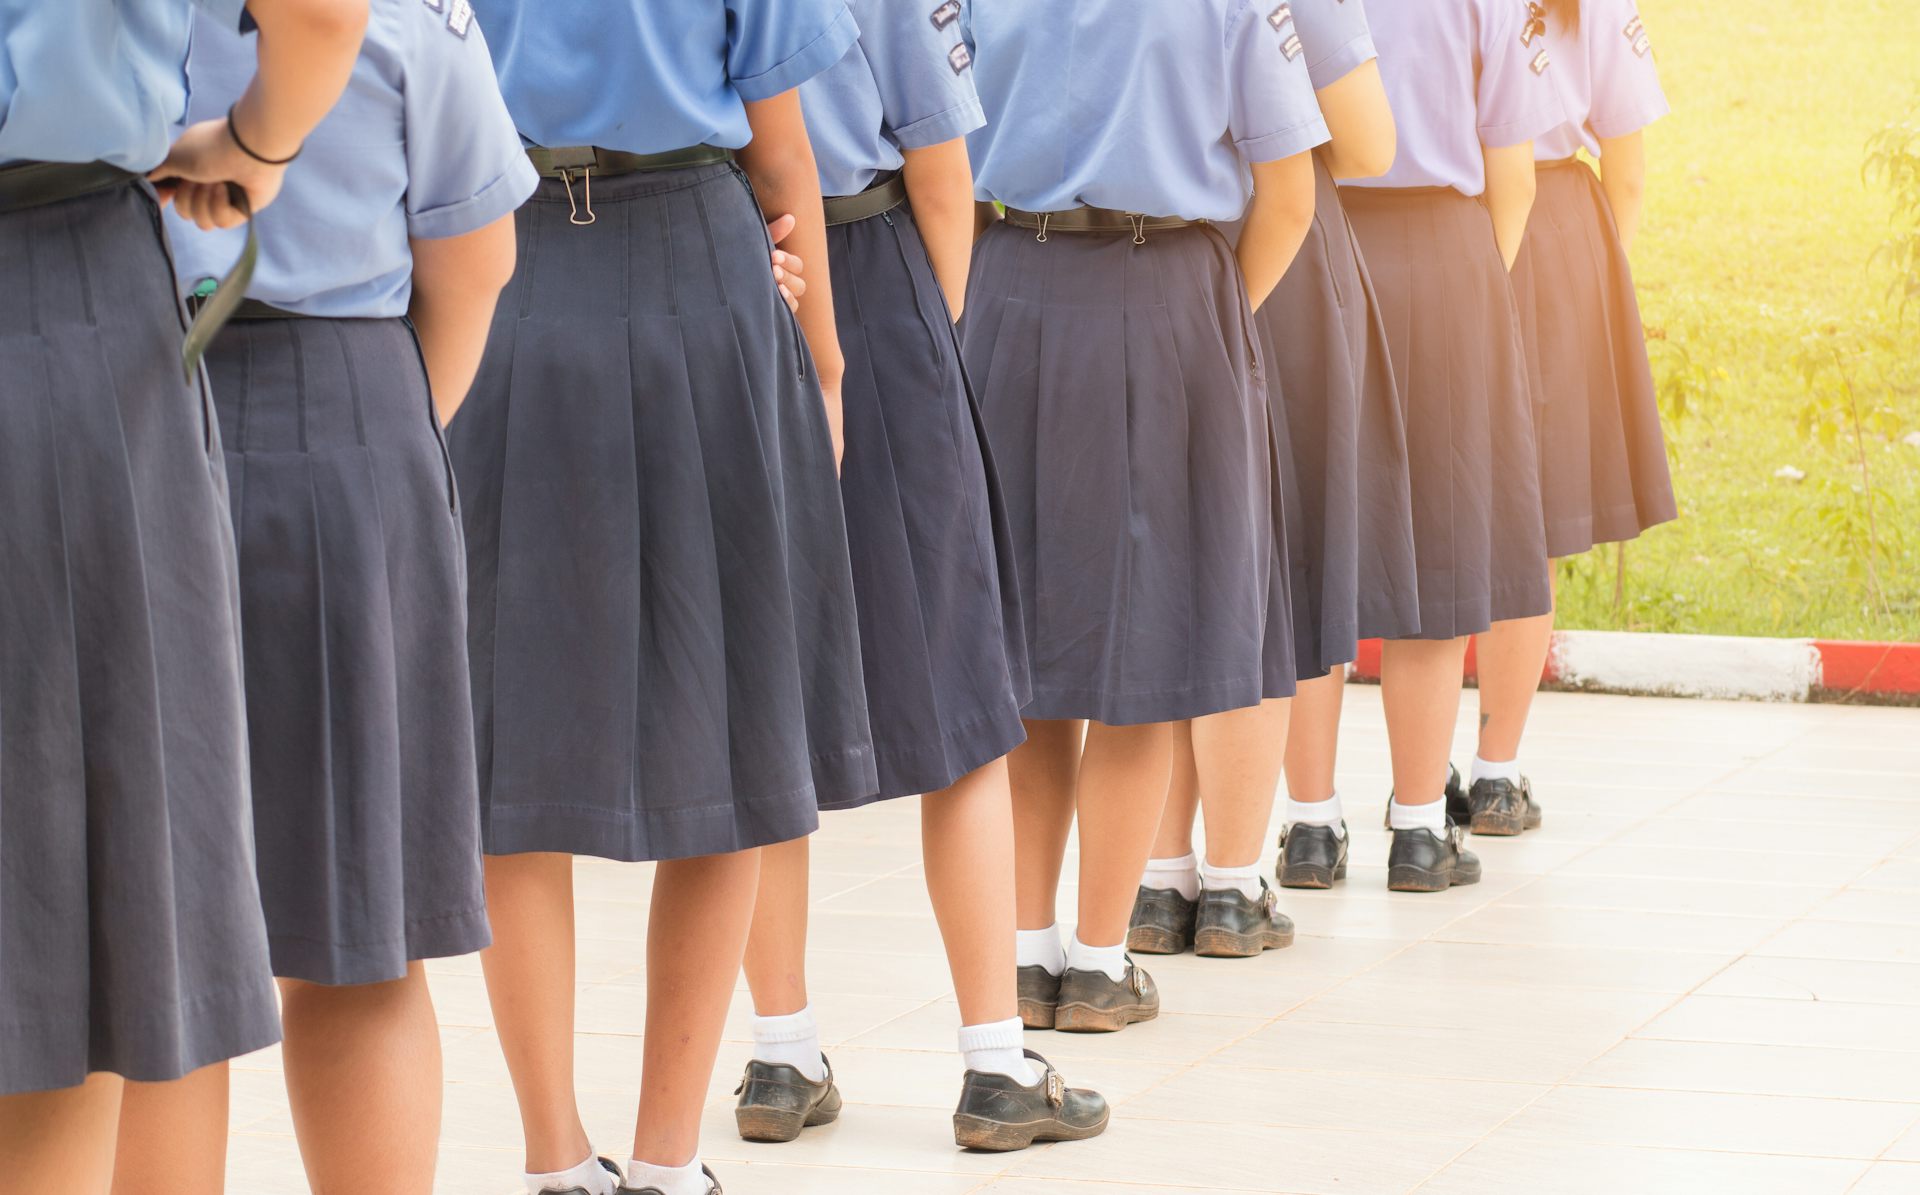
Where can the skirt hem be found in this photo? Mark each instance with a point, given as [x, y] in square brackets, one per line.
[351, 964]
[962, 750]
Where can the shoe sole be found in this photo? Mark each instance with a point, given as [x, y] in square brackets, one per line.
[991, 1136]
[1310, 875]
[777, 1126]
[1498, 825]
[1418, 879]
[1152, 939]
[1084, 1018]
[1036, 1014]
[1222, 943]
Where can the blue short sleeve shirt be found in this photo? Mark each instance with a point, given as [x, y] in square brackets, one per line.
[1606, 75]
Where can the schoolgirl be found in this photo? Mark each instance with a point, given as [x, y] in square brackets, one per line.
[133, 957]
[1336, 409]
[666, 660]
[366, 808]
[1110, 335]
[1603, 459]
[941, 635]
[1469, 88]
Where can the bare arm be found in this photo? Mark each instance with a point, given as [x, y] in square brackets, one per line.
[1510, 190]
[1365, 138]
[1623, 175]
[1276, 223]
[306, 52]
[780, 162]
[940, 188]
[456, 282]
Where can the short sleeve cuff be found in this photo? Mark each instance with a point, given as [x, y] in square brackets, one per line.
[811, 60]
[228, 14]
[1297, 139]
[1537, 122]
[1338, 65]
[955, 122]
[498, 198]
[1630, 119]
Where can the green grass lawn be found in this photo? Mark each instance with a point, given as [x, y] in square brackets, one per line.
[1759, 233]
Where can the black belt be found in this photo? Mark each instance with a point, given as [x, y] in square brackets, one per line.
[1097, 220]
[567, 161]
[36, 184]
[888, 191]
[245, 310]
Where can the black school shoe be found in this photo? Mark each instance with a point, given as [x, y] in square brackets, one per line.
[605, 1164]
[1162, 922]
[1233, 925]
[1459, 804]
[997, 1115]
[1312, 856]
[713, 1187]
[1039, 993]
[1503, 808]
[1094, 1002]
[1422, 861]
[777, 1101]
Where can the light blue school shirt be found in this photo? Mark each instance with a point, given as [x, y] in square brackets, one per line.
[1606, 77]
[647, 76]
[93, 81]
[1137, 105]
[420, 145]
[906, 84]
[1461, 75]
[1333, 35]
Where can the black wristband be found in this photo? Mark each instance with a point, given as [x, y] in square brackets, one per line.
[234, 133]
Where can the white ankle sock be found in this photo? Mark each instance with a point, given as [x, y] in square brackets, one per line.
[1111, 959]
[1316, 813]
[589, 1176]
[670, 1180]
[1041, 948]
[1246, 880]
[1180, 875]
[1483, 770]
[1430, 816]
[996, 1049]
[793, 1039]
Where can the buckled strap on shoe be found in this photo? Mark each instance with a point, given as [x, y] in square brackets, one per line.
[888, 191]
[1096, 221]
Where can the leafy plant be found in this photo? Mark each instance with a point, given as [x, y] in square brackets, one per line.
[1893, 163]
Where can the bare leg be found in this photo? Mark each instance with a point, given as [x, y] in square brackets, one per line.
[530, 970]
[967, 837]
[173, 1136]
[1175, 839]
[1420, 682]
[1043, 772]
[60, 1140]
[1313, 739]
[1238, 755]
[696, 937]
[777, 945]
[1120, 794]
[363, 1078]
[1510, 656]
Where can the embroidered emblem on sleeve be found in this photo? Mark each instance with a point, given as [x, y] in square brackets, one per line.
[1279, 17]
[960, 59]
[459, 14]
[1536, 23]
[946, 14]
[1292, 47]
[1636, 34]
[1541, 62]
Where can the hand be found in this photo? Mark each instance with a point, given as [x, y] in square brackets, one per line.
[787, 268]
[835, 423]
[195, 175]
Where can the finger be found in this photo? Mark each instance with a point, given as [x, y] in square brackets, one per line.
[225, 214]
[792, 300]
[796, 284]
[781, 228]
[188, 202]
[165, 188]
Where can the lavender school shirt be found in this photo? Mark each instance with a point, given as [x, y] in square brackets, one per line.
[1462, 75]
[1606, 77]
[1137, 105]
[1335, 35]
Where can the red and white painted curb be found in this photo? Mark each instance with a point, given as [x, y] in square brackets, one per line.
[1720, 666]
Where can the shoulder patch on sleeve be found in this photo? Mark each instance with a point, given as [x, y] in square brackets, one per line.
[960, 59]
[459, 14]
[1279, 17]
[435, 5]
[1292, 47]
[1541, 62]
[1636, 34]
[1535, 25]
[946, 14]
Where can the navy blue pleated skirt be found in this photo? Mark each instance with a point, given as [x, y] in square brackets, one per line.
[353, 613]
[1603, 455]
[940, 626]
[131, 939]
[1454, 336]
[665, 654]
[1124, 405]
[1337, 413]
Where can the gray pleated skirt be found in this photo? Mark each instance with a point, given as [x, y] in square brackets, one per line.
[940, 627]
[1454, 337]
[1603, 455]
[665, 654]
[1337, 414]
[130, 932]
[366, 808]
[1124, 405]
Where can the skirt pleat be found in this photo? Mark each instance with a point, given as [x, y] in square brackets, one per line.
[1454, 338]
[366, 804]
[131, 939]
[666, 658]
[1603, 454]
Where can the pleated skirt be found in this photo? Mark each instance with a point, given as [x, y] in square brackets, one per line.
[1603, 455]
[1337, 414]
[131, 939]
[1126, 410]
[940, 629]
[353, 617]
[664, 648]
[1454, 337]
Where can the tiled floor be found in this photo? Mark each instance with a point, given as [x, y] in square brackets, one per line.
[1702, 976]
